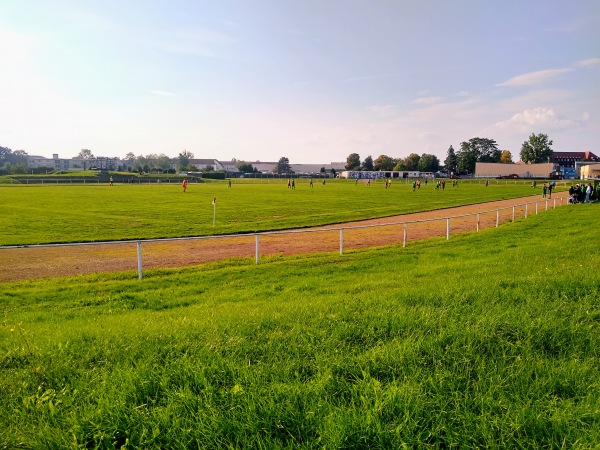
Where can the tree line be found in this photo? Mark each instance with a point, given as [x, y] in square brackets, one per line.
[536, 149]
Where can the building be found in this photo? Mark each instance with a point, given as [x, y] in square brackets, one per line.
[568, 159]
[381, 174]
[301, 169]
[519, 170]
[59, 164]
[590, 171]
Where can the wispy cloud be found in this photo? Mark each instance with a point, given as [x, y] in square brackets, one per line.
[589, 62]
[383, 110]
[200, 42]
[163, 93]
[364, 77]
[431, 100]
[533, 78]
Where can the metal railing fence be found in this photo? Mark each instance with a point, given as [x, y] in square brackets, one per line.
[443, 224]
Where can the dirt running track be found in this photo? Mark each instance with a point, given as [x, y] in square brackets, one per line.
[44, 262]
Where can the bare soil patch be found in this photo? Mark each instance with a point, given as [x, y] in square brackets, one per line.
[44, 262]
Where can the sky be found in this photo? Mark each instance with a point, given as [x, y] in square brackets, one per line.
[310, 80]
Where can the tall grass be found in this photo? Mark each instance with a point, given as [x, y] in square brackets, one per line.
[489, 340]
[50, 214]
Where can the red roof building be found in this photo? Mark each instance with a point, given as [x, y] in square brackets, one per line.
[568, 159]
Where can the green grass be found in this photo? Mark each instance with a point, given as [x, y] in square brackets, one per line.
[489, 340]
[53, 214]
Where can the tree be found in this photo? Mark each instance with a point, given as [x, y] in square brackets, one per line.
[353, 161]
[450, 161]
[536, 149]
[85, 154]
[428, 163]
[477, 150]
[13, 161]
[183, 159]
[245, 167]
[400, 166]
[283, 166]
[5, 154]
[384, 162]
[412, 161]
[506, 157]
[368, 163]
[163, 162]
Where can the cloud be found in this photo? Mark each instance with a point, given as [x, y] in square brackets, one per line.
[364, 78]
[163, 93]
[200, 42]
[589, 62]
[535, 118]
[15, 47]
[533, 78]
[428, 100]
[384, 110]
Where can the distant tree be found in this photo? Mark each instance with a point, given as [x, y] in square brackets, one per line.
[333, 172]
[353, 161]
[476, 150]
[536, 149]
[384, 162]
[5, 154]
[183, 159]
[368, 163]
[412, 161]
[322, 170]
[13, 161]
[245, 167]
[283, 166]
[400, 166]
[450, 161]
[428, 163]
[506, 157]
[163, 162]
[85, 154]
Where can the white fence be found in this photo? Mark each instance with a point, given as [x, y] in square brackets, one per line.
[396, 232]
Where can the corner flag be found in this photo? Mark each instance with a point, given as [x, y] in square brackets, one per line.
[214, 202]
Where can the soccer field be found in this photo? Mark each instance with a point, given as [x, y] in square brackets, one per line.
[54, 214]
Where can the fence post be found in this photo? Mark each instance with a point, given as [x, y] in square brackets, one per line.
[536, 207]
[526, 209]
[257, 249]
[139, 256]
[478, 222]
[497, 217]
[404, 240]
[513, 213]
[341, 241]
[448, 228]
[554, 203]
[546, 204]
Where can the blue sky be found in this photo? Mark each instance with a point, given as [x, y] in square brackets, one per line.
[312, 80]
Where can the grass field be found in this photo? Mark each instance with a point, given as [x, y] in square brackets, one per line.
[490, 340]
[50, 214]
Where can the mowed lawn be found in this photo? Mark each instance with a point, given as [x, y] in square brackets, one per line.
[53, 214]
[489, 340]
